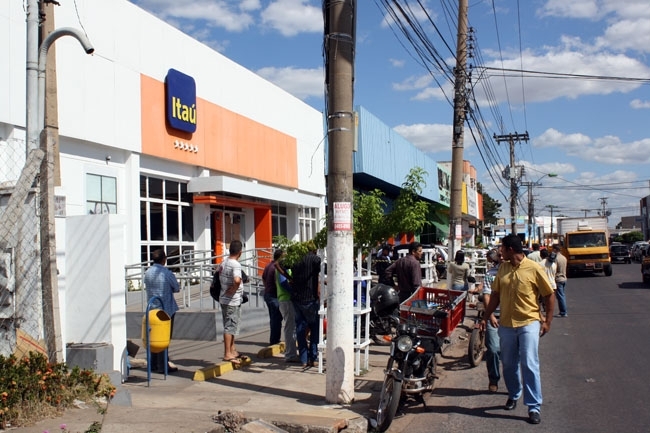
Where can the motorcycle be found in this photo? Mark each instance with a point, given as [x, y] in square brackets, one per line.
[410, 371]
[384, 313]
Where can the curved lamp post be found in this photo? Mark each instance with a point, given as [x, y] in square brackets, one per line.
[42, 63]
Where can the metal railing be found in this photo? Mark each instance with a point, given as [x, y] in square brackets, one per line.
[194, 270]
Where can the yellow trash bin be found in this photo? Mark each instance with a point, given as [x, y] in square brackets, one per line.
[160, 325]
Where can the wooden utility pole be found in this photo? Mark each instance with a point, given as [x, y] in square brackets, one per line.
[457, 143]
[513, 174]
[339, 65]
[49, 178]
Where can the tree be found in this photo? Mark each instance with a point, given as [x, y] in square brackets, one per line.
[629, 237]
[409, 215]
[369, 219]
[491, 207]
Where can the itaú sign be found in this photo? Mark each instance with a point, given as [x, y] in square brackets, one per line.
[180, 95]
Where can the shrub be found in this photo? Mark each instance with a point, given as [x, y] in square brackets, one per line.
[32, 389]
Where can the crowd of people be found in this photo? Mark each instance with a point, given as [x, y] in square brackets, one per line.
[519, 292]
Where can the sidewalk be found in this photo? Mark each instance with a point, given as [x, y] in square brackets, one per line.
[269, 389]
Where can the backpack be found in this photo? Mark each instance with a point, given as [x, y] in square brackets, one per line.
[215, 287]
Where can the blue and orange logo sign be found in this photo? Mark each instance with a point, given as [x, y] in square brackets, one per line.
[180, 101]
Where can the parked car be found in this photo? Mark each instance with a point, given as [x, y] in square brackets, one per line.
[620, 253]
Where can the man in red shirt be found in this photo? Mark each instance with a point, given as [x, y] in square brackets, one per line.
[408, 271]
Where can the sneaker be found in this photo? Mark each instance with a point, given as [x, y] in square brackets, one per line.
[534, 418]
[493, 387]
[510, 404]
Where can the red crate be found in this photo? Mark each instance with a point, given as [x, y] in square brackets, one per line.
[424, 316]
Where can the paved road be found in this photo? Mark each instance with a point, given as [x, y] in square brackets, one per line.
[595, 370]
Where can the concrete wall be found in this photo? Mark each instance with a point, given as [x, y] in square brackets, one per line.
[94, 291]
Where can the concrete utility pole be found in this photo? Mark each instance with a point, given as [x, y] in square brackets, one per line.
[339, 65]
[550, 206]
[531, 210]
[457, 143]
[513, 175]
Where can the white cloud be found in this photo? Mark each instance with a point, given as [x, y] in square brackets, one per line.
[571, 9]
[232, 15]
[606, 150]
[397, 63]
[639, 104]
[301, 83]
[427, 137]
[291, 17]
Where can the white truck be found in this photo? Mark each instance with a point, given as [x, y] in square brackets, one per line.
[585, 244]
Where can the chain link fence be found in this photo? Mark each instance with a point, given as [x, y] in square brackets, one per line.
[21, 299]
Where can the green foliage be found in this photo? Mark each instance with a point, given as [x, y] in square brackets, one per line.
[409, 214]
[369, 220]
[491, 207]
[629, 237]
[31, 388]
[294, 250]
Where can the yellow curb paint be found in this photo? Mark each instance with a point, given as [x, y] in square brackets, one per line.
[220, 369]
[271, 351]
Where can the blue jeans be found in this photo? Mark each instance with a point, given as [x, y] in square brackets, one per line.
[275, 319]
[492, 354]
[307, 318]
[561, 297]
[520, 359]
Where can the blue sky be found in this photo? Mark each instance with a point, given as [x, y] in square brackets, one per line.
[593, 133]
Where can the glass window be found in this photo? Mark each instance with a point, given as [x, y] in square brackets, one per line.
[166, 217]
[101, 194]
[307, 222]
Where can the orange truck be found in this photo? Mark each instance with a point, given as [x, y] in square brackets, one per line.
[585, 244]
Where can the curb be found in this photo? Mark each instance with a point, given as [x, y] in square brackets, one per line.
[220, 369]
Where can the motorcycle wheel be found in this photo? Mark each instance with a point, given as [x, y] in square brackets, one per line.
[476, 347]
[388, 402]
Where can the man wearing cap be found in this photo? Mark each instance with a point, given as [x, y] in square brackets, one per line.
[560, 280]
[519, 284]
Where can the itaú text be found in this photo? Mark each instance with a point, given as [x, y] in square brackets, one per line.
[183, 112]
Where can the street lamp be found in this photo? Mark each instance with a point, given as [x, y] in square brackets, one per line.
[550, 206]
[531, 205]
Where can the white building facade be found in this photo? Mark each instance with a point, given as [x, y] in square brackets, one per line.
[189, 149]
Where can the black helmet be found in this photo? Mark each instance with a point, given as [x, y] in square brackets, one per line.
[384, 299]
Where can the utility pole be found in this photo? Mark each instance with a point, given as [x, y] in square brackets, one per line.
[339, 65]
[531, 209]
[460, 101]
[550, 206]
[512, 173]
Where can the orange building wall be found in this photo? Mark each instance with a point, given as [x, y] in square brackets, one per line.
[226, 141]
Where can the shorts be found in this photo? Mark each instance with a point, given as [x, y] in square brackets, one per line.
[231, 317]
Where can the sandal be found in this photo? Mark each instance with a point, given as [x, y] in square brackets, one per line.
[236, 361]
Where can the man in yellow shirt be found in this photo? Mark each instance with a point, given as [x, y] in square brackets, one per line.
[518, 285]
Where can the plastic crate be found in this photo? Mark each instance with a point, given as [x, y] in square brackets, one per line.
[414, 310]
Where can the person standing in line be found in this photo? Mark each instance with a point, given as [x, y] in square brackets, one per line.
[536, 255]
[518, 285]
[232, 290]
[382, 263]
[493, 352]
[408, 271]
[271, 299]
[560, 280]
[284, 289]
[458, 272]
[160, 281]
[306, 294]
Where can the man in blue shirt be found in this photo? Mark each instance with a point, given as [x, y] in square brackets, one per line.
[160, 281]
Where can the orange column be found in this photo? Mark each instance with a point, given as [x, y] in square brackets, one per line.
[263, 233]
